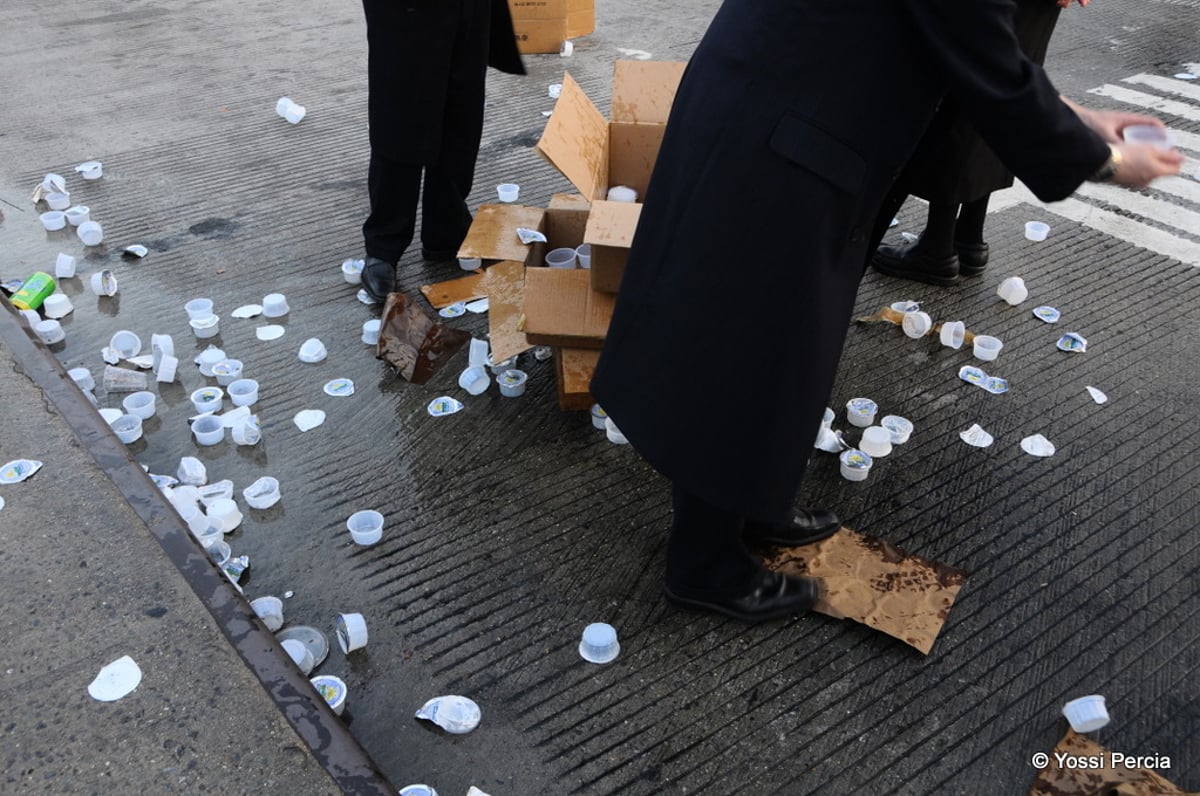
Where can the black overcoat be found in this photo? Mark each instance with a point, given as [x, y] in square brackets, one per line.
[791, 123]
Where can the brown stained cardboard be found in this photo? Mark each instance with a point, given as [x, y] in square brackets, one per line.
[632, 150]
[1108, 778]
[573, 369]
[610, 231]
[412, 342]
[452, 291]
[561, 309]
[539, 36]
[506, 290]
[493, 232]
[566, 219]
[643, 91]
[575, 141]
[870, 581]
[537, 9]
[581, 18]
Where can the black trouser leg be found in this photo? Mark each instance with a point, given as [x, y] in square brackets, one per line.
[393, 188]
[705, 551]
[938, 238]
[971, 218]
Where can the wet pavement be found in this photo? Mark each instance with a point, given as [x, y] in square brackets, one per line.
[511, 525]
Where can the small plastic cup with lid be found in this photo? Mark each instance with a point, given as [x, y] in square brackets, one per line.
[856, 465]
[953, 333]
[208, 399]
[224, 513]
[312, 351]
[599, 416]
[208, 430]
[916, 324]
[58, 200]
[333, 690]
[1087, 713]
[599, 643]
[128, 428]
[861, 412]
[1013, 290]
[987, 348]
[274, 305]
[83, 378]
[876, 442]
[366, 527]
[583, 254]
[301, 655]
[269, 610]
[53, 220]
[77, 214]
[370, 331]
[508, 191]
[199, 308]
[104, 283]
[140, 404]
[126, 344]
[351, 632]
[243, 392]
[227, 371]
[474, 380]
[512, 383]
[900, 428]
[613, 433]
[91, 233]
[91, 170]
[1036, 230]
[64, 266]
[263, 493]
[49, 331]
[560, 258]
[352, 271]
[470, 263]
[204, 328]
[57, 305]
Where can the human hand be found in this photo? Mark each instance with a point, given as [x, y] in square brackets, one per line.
[1142, 163]
[1110, 125]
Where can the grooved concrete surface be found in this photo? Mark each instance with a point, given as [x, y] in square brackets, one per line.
[512, 525]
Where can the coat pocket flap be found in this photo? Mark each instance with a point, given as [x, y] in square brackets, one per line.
[820, 153]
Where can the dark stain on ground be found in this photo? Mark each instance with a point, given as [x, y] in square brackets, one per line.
[213, 228]
[524, 140]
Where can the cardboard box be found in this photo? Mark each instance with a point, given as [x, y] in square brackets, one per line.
[581, 18]
[595, 154]
[561, 309]
[493, 233]
[540, 26]
[610, 229]
[573, 369]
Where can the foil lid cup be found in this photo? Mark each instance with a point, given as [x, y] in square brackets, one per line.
[333, 690]
[512, 383]
[855, 465]
[599, 416]
[1047, 314]
[1072, 342]
[861, 411]
[454, 714]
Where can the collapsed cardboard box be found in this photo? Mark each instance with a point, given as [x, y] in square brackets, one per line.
[540, 26]
[561, 309]
[595, 154]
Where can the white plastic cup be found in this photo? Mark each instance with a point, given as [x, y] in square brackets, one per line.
[599, 643]
[861, 412]
[508, 191]
[987, 348]
[246, 432]
[855, 465]
[89, 232]
[208, 430]
[301, 655]
[58, 200]
[1036, 230]
[499, 367]
[49, 331]
[366, 527]
[208, 399]
[470, 263]
[512, 383]
[263, 493]
[83, 378]
[312, 351]
[583, 253]
[53, 220]
[208, 358]
[126, 344]
[140, 404]
[224, 513]
[554, 90]
[269, 610]
[560, 258]
[1153, 135]
[351, 632]
[828, 418]
[243, 392]
[1086, 714]
[64, 266]
[953, 333]
[370, 332]
[77, 215]
[613, 433]
[204, 328]
[57, 305]
[900, 428]
[274, 305]
[128, 428]
[917, 324]
[622, 193]
[333, 690]
[104, 283]
[199, 308]
[289, 110]
[474, 379]
[599, 416]
[91, 170]
[168, 366]
[352, 271]
[876, 442]
[217, 548]
[1013, 290]
[227, 371]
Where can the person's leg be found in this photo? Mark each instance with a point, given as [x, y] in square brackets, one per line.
[393, 189]
[931, 258]
[969, 244]
[937, 239]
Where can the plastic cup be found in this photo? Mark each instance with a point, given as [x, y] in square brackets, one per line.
[312, 351]
[855, 465]
[218, 550]
[622, 193]
[554, 90]
[274, 305]
[1086, 714]
[613, 433]
[199, 308]
[77, 215]
[53, 220]
[57, 305]
[168, 366]
[1148, 134]
[599, 416]
[512, 383]
[351, 631]
[917, 324]
[83, 378]
[224, 513]
[333, 691]
[64, 266]
[987, 348]
[370, 332]
[1013, 290]
[470, 263]
[301, 655]
[208, 359]
[474, 379]
[128, 428]
[352, 271]
[861, 412]
[269, 610]
[91, 170]
[126, 343]
[140, 404]
[58, 201]
[584, 254]
[227, 371]
[508, 191]
[208, 399]
[287, 109]
[263, 493]
[104, 283]
[599, 643]
[90, 233]
[243, 392]
[204, 328]
[561, 258]
[49, 331]
[876, 442]
[953, 333]
[499, 367]
[1036, 230]
[366, 527]
[208, 430]
[900, 428]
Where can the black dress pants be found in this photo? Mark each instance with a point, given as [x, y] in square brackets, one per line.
[705, 551]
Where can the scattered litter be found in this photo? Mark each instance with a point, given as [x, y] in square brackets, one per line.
[827, 441]
[352, 271]
[1086, 714]
[478, 307]
[474, 791]
[622, 193]
[547, 113]
[192, 471]
[1185, 76]
[145, 361]
[454, 714]
[247, 311]
[163, 481]
[599, 643]
[123, 380]
[855, 465]
[235, 566]
[598, 417]
[542, 353]
[900, 428]
[351, 632]
[973, 375]
[18, 470]
[477, 353]
[554, 90]
[454, 310]
[235, 417]
[116, 680]
[861, 411]
[1072, 341]
[976, 437]
[508, 191]
[272, 332]
[219, 490]
[1097, 396]
[365, 298]
[310, 637]
[110, 355]
[530, 236]
[135, 250]
[312, 351]
[269, 610]
[614, 433]
[275, 305]
[208, 359]
[333, 691]
[1047, 314]
[370, 331]
[895, 222]
[248, 432]
[1, 504]
[308, 419]
[1037, 445]
[909, 237]
[418, 790]
[339, 388]
[634, 55]
[287, 109]
[1013, 290]
[512, 383]
[91, 170]
[300, 655]
[566, 49]
[104, 283]
[287, 595]
[444, 406]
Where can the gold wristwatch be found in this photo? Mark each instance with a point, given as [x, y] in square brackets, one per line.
[1108, 172]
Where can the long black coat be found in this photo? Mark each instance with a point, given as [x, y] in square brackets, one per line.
[425, 55]
[791, 123]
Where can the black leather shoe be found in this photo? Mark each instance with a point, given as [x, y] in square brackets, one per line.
[906, 262]
[439, 255]
[378, 278]
[807, 527]
[775, 596]
[972, 257]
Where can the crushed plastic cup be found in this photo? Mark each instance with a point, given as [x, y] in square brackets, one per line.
[499, 367]
[82, 378]
[952, 334]
[622, 193]
[861, 412]
[224, 513]
[554, 90]
[1158, 137]
[986, 347]
[599, 643]
[263, 493]
[126, 344]
[57, 200]
[560, 258]
[128, 428]
[613, 433]
[900, 428]
[1013, 290]
[227, 371]
[192, 472]
[53, 220]
[140, 404]
[512, 383]
[300, 654]
[855, 465]
[208, 399]
[976, 437]
[49, 331]
[77, 214]
[1086, 714]
[57, 305]
[123, 380]
[351, 632]
[917, 324]
[204, 328]
[64, 266]
[508, 191]
[453, 713]
[876, 442]
[312, 351]
[208, 430]
[247, 432]
[243, 392]
[1038, 445]
[274, 305]
[199, 308]
[103, 283]
[470, 263]
[208, 359]
[91, 170]
[287, 109]
[269, 610]
[474, 379]
[366, 527]
[1036, 230]
[91, 233]
[168, 366]
[54, 182]
[370, 331]
[333, 690]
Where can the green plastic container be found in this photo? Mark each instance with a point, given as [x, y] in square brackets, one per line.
[33, 291]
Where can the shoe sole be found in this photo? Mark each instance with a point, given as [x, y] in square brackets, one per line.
[917, 276]
[701, 605]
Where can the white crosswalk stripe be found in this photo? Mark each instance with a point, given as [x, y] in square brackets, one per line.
[1166, 218]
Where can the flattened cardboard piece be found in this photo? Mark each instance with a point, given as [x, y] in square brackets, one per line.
[452, 291]
[573, 369]
[412, 342]
[643, 91]
[493, 232]
[610, 230]
[506, 291]
[872, 582]
[566, 219]
[581, 18]
[575, 141]
[1109, 778]
[561, 309]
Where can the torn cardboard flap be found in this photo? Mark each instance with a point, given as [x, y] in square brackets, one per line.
[493, 232]
[575, 141]
[1111, 777]
[643, 91]
[573, 369]
[561, 309]
[612, 223]
[505, 282]
[412, 342]
[452, 291]
[873, 582]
